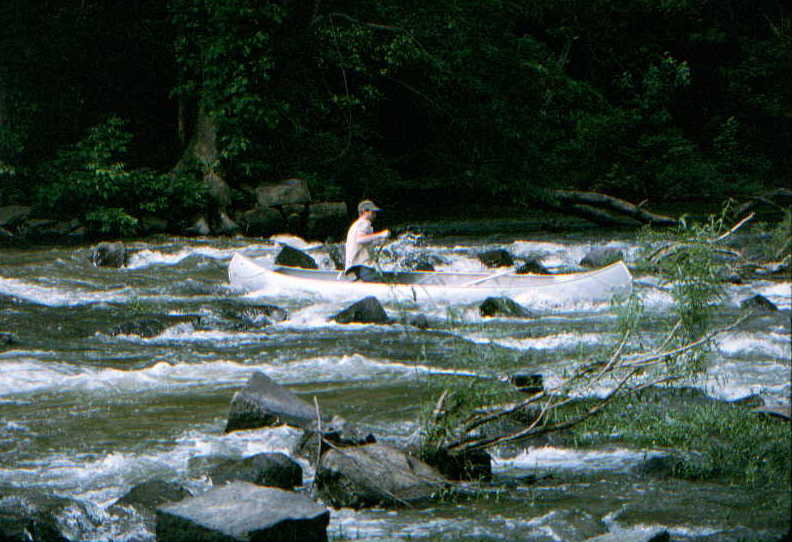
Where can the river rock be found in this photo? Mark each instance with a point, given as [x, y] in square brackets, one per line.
[600, 257]
[327, 218]
[637, 534]
[261, 221]
[265, 469]
[200, 226]
[498, 257]
[264, 403]
[291, 257]
[13, 215]
[532, 266]
[375, 475]
[366, 311]
[109, 254]
[338, 433]
[241, 511]
[262, 316]
[469, 465]
[758, 303]
[32, 516]
[503, 306]
[289, 191]
[145, 327]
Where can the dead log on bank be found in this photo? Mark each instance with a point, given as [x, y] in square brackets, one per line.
[604, 210]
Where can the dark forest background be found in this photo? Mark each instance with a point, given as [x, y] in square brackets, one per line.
[112, 110]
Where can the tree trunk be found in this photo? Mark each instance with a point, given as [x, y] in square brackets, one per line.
[603, 210]
[202, 152]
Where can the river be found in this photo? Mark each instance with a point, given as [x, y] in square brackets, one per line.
[88, 413]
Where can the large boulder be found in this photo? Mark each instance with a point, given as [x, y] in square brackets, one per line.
[264, 403]
[240, 511]
[533, 266]
[287, 192]
[149, 495]
[292, 257]
[375, 475]
[265, 469]
[109, 254]
[366, 311]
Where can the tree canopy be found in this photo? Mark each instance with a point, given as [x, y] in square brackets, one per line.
[397, 100]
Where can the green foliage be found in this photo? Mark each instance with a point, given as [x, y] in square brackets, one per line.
[726, 441]
[91, 180]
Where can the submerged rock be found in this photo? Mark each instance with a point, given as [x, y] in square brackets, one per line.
[375, 475]
[339, 433]
[532, 266]
[366, 311]
[265, 469]
[264, 403]
[242, 511]
[109, 255]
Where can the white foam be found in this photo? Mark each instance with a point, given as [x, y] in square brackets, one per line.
[54, 296]
[771, 345]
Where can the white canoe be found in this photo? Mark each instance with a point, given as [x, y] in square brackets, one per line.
[428, 286]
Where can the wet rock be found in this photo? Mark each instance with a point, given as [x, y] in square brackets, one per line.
[758, 303]
[32, 516]
[417, 320]
[8, 339]
[375, 475]
[638, 534]
[240, 511]
[532, 266]
[366, 311]
[569, 524]
[336, 253]
[527, 383]
[145, 327]
[292, 257]
[264, 403]
[261, 221]
[338, 433]
[469, 465]
[109, 254]
[265, 469]
[152, 494]
[496, 258]
[503, 306]
[600, 257]
[262, 316]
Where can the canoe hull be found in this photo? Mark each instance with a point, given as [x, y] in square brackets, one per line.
[590, 286]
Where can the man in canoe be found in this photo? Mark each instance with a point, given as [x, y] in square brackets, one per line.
[360, 236]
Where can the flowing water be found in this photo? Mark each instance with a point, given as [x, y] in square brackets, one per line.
[88, 413]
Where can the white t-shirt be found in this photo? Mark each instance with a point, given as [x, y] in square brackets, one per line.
[356, 252]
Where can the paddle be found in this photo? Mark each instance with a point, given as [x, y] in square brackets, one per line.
[488, 277]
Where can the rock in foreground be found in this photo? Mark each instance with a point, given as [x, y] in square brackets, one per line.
[264, 403]
[373, 475]
[244, 512]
